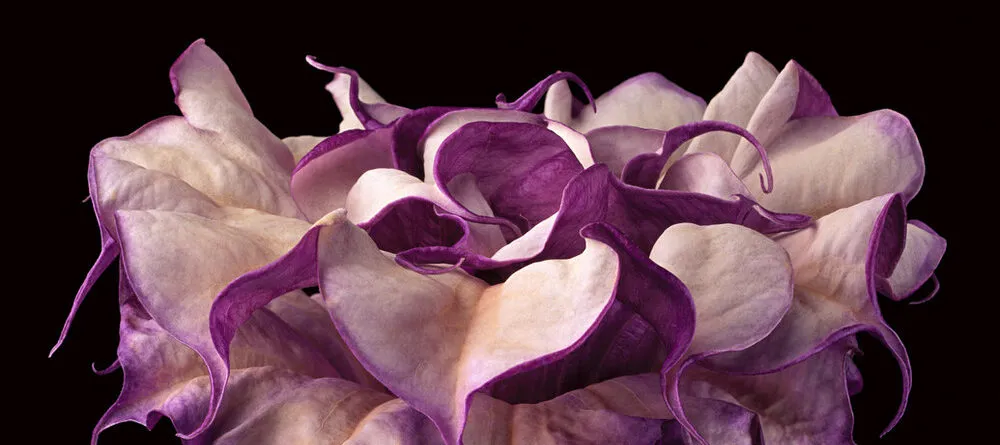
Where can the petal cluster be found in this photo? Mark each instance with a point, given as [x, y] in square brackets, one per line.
[642, 268]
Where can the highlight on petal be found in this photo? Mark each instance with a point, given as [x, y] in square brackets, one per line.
[360, 106]
[741, 284]
[648, 101]
[921, 255]
[838, 263]
[453, 333]
[822, 164]
[324, 177]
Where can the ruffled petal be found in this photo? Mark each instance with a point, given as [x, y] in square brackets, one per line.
[822, 164]
[216, 155]
[178, 262]
[648, 101]
[647, 329]
[837, 262]
[360, 106]
[616, 145]
[324, 176]
[382, 192]
[406, 152]
[520, 168]
[453, 333]
[741, 284]
[804, 403]
[922, 254]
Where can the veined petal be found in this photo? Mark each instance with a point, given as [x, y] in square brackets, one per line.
[648, 101]
[921, 255]
[324, 176]
[520, 168]
[406, 152]
[822, 164]
[453, 333]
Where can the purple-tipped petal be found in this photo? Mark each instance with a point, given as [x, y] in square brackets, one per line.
[807, 403]
[520, 168]
[452, 333]
[648, 101]
[741, 284]
[216, 155]
[838, 262]
[646, 329]
[822, 164]
[407, 155]
[922, 254]
[325, 175]
[177, 263]
[360, 106]
[530, 98]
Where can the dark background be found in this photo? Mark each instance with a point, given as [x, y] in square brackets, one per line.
[87, 75]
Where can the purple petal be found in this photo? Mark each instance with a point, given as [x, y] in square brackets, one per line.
[406, 153]
[642, 214]
[359, 105]
[705, 173]
[452, 333]
[530, 98]
[325, 175]
[301, 145]
[520, 168]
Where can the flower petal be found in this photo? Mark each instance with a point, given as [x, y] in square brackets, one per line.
[837, 264]
[407, 154]
[528, 166]
[301, 145]
[324, 176]
[740, 280]
[736, 104]
[705, 173]
[453, 333]
[786, 415]
[647, 329]
[922, 254]
[360, 106]
[648, 100]
[616, 145]
[822, 164]
[177, 263]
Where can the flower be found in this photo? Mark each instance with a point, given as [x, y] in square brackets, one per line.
[601, 274]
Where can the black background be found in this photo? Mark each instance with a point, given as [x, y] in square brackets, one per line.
[87, 75]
